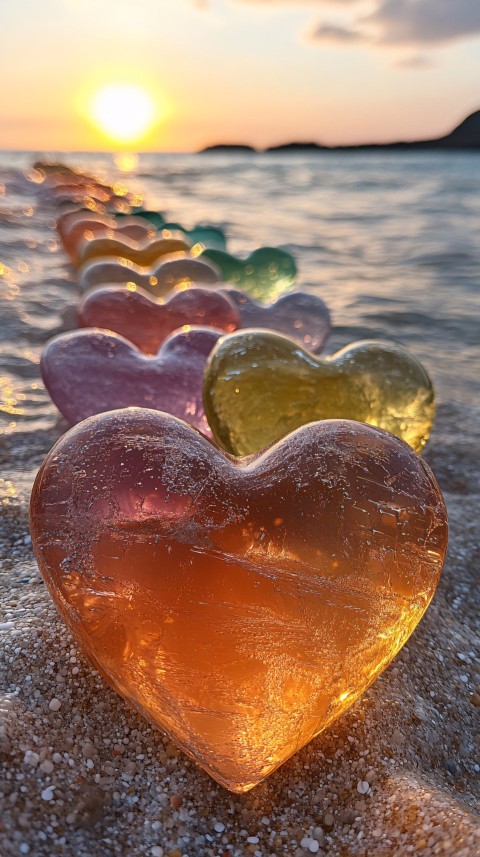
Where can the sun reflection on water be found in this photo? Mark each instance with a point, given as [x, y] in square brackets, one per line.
[9, 397]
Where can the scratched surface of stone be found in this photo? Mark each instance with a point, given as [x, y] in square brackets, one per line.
[242, 606]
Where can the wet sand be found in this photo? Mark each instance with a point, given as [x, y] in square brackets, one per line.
[81, 774]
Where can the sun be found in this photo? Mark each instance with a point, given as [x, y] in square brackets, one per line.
[125, 112]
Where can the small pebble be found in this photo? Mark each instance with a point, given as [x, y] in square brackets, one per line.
[348, 816]
[309, 844]
[47, 793]
[31, 758]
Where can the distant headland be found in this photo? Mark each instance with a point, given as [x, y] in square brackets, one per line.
[464, 136]
[229, 147]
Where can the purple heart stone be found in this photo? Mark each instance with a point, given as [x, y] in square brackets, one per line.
[90, 371]
[303, 317]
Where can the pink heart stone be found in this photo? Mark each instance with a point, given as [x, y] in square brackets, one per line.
[91, 371]
[134, 314]
[88, 226]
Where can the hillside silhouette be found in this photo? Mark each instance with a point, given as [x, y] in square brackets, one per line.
[464, 136]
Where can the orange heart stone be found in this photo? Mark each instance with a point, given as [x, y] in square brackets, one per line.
[241, 605]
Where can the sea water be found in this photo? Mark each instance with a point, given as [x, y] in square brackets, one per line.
[390, 241]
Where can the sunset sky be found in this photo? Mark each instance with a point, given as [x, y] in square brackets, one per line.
[255, 71]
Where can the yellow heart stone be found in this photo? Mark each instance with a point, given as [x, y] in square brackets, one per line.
[259, 386]
[140, 254]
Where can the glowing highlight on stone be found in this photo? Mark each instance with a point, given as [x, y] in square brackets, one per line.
[259, 386]
[242, 607]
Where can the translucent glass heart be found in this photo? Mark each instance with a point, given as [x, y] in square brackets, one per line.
[241, 606]
[259, 386]
[60, 171]
[209, 236]
[67, 220]
[140, 254]
[134, 314]
[79, 193]
[91, 371]
[301, 316]
[156, 218]
[84, 228]
[158, 279]
[265, 275]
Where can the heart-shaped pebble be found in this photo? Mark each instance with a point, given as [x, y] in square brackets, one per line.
[68, 219]
[134, 314]
[265, 275]
[156, 218]
[209, 236]
[91, 371]
[81, 194]
[58, 170]
[259, 386]
[158, 280]
[85, 229]
[140, 254]
[241, 606]
[301, 316]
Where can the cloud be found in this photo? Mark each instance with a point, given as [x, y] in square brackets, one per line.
[393, 22]
[423, 22]
[301, 2]
[336, 33]
[415, 62]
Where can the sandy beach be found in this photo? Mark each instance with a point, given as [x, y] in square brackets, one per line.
[80, 773]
